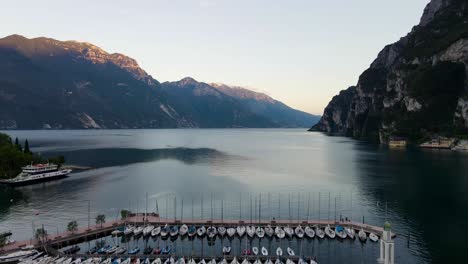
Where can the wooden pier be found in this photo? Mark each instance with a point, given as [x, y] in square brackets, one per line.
[97, 231]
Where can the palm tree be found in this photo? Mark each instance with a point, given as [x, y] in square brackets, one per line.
[72, 226]
[100, 219]
[125, 213]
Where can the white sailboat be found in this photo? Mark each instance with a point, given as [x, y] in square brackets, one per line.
[264, 251]
[278, 261]
[289, 231]
[373, 237]
[202, 261]
[183, 230]
[129, 230]
[319, 232]
[299, 231]
[201, 231]
[258, 261]
[251, 231]
[240, 230]
[156, 261]
[255, 250]
[269, 231]
[246, 261]
[156, 231]
[234, 261]
[350, 232]
[231, 232]
[211, 232]
[310, 233]
[279, 232]
[147, 230]
[329, 232]
[138, 230]
[362, 235]
[260, 232]
[290, 251]
[222, 231]
[279, 252]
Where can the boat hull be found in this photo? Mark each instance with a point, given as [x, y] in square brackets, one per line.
[36, 180]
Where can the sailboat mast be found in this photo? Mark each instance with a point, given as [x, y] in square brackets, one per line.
[182, 210]
[146, 209]
[298, 205]
[289, 201]
[240, 206]
[260, 209]
[308, 207]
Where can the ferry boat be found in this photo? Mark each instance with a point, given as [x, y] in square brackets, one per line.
[38, 173]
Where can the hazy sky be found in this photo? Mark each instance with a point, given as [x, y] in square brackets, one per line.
[301, 52]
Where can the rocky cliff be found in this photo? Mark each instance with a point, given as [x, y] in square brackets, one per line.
[415, 88]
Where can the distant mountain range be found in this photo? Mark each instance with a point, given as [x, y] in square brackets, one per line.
[46, 83]
[416, 88]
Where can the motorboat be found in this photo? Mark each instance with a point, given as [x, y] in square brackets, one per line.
[222, 231]
[212, 261]
[134, 250]
[246, 261]
[169, 261]
[313, 261]
[289, 231]
[231, 232]
[299, 231]
[301, 261]
[226, 250]
[258, 261]
[288, 261]
[137, 261]
[78, 261]
[192, 231]
[201, 231]
[319, 232]
[166, 250]
[147, 250]
[279, 232]
[165, 231]
[268, 261]
[264, 251]
[156, 231]
[181, 261]
[104, 249]
[340, 232]
[147, 230]
[310, 233]
[92, 250]
[278, 261]
[15, 256]
[290, 252]
[146, 261]
[255, 250]
[106, 261]
[223, 261]
[362, 235]
[174, 231]
[350, 232]
[247, 252]
[112, 249]
[269, 231]
[279, 252]
[72, 250]
[240, 230]
[157, 251]
[118, 231]
[202, 261]
[126, 261]
[192, 261]
[121, 250]
[251, 231]
[183, 230]
[329, 232]
[260, 232]
[129, 230]
[138, 230]
[373, 237]
[211, 232]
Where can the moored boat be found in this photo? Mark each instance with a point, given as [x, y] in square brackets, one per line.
[138, 230]
[340, 232]
[290, 251]
[299, 231]
[251, 231]
[147, 230]
[221, 231]
[289, 231]
[183, 230]
[264, 251]
[269, 231]
[260, 232]
[362, 235]
[279, 252]
[350, 232]
[240, 230]
[201, 231]
[319, 232]
[329, 232]
[309, 232]
[255, 250]
[15, 256]
[156, 231]
[279, 232]
[231, 232]
[192, 231]
[373, 237]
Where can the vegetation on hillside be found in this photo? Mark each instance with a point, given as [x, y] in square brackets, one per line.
[13, 156]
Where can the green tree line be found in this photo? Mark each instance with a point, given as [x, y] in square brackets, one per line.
[13, 156]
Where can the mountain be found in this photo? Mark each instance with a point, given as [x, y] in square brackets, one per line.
[416, 88]
[263, 105]
[46, 83]
[208, 107]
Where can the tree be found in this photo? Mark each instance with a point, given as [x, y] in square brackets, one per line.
[41, 234]
[26, 147]
[125, 213]
[72, 226]
[100, 219]
[18, 145]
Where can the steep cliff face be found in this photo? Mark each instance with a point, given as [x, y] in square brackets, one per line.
[416, 87]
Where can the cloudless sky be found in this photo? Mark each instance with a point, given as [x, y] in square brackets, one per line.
[301, 52]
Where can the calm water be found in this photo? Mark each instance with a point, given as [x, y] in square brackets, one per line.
[276, 170]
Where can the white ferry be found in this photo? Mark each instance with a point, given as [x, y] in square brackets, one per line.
[38, 173]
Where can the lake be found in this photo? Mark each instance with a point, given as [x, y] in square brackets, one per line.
[253, 173]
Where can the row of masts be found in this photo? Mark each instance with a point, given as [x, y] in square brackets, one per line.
[255, 208]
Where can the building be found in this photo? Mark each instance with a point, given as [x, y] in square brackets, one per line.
[438, 143]
[387, 246]
[397, 142]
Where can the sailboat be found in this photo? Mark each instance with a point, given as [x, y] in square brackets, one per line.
[290, 251]
[156, 261]
[350, 232]
[156, 231]
[288, 261]
[231, 232]
[319, 232]
[147, 230]
[183, 230]
[279, 232]
[260, 232]
[289, 231]
[269, 231]
[174, 231]
[201, 231]
[310, 233]
[129, 230]
[192, 231]
[278, 261]
[301, 261]
[251, 231]
[313, 261]
[192, 261]
[299, 231]
[221, 231]
[138, 231]
[340, 232]
[240, 230]
[234, 261]
[329, 232]
[211, 232]
[257, 261]
[268, 261]
[246, 261]
[362, 235]
[264, 251]
[202, 261]
[279, 252]
[226, 250]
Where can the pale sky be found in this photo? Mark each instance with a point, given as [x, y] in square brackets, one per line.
[301, 52]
